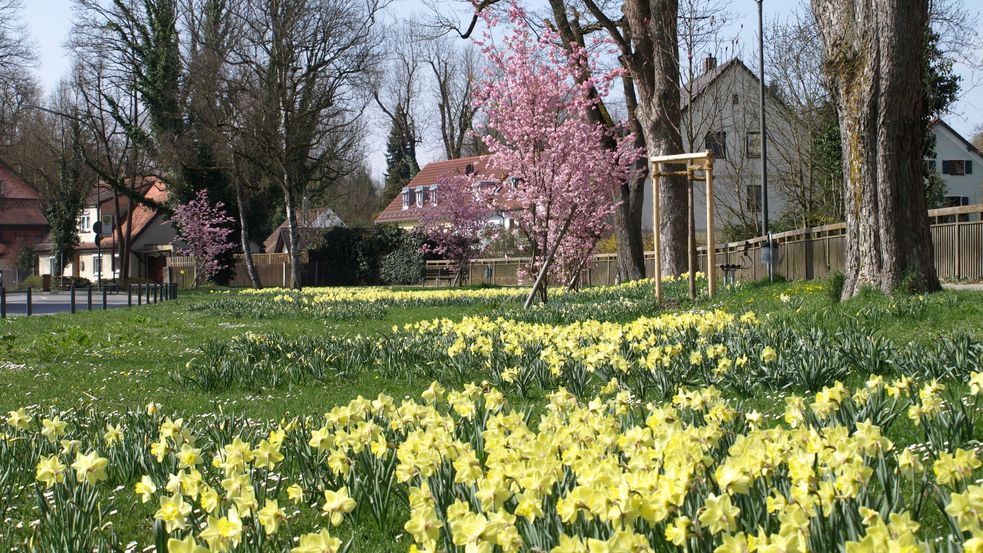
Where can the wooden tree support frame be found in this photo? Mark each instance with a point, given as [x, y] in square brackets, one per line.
[697, 162]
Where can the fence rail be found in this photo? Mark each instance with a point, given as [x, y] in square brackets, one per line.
[804, 254]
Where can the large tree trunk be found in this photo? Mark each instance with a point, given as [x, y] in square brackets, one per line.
[628, 225]
[294, 241]
[655, 72]
[247, 251]
[875, 58]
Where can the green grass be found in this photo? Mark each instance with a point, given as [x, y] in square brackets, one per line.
[124, 358]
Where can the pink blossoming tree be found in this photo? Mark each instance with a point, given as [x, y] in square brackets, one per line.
[205, 238]
[458, 227]
[562, 191]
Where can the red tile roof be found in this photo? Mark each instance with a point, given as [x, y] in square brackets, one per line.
[428, 176]
[143, 216]
[20, 204]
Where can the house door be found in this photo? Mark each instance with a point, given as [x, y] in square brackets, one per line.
[155, 268]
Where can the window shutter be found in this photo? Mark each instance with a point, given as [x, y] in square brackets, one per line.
[969, 167]
[945, 167]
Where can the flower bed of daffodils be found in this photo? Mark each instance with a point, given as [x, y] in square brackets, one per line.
[461, 470]
[630, 300]
[651, 356]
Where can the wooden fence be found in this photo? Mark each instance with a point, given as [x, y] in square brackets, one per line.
[957, 234]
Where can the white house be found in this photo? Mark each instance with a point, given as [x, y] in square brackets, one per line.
[959, 164]
[152, 239]
[720, 113]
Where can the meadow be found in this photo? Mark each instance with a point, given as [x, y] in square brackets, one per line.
[770, 419]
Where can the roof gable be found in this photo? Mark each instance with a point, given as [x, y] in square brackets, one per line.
[940, 124]
[428, 176]
[13, 187]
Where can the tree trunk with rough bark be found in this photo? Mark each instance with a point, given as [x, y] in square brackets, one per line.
[655, 73]
[294, 239]
[874, 60]
[247, 252]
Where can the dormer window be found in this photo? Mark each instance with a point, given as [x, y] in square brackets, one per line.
[406, 198]
[433, 195]
[420, 195]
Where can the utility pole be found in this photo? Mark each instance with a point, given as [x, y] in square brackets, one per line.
[770, 251]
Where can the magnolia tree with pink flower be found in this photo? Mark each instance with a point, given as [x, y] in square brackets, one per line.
[458, 227]
[201, 228]
[563, 179]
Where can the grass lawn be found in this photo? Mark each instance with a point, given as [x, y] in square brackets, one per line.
[124, 358]
[120, 360]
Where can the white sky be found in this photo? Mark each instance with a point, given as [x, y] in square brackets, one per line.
[50, 21]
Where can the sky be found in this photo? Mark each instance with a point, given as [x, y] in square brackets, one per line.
[50, 21]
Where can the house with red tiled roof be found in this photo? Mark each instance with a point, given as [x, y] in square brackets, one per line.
[422, 192]
[98, 257]
[22, 223]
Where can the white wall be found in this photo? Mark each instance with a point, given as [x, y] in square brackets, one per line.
[947, 147]
[715, 110]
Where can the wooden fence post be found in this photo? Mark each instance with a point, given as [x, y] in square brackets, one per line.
[959, 249]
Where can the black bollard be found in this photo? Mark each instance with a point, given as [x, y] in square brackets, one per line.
[129, 295]
[30, 308]
[88, 295]
[71, 294]
[3, 302]
[104, 307]
[139, 294]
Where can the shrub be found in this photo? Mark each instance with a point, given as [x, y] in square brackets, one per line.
[834, 284]
[27, 261]
[402, 266]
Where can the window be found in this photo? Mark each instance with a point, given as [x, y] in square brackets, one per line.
[752, 145]
[420, 196]
[115, 264]
[84, 222]
[716, 142]
[955, 201]
[97, 265]
[433, 195]
[753, 201]
[929, 165]
[406, 198]
[957, 167]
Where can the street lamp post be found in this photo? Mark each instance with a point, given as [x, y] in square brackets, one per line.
[769, 251]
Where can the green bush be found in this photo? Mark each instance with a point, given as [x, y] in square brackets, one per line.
[834, 285]
[402, 266]
[27, 261]
[354, 256]
[33, 281]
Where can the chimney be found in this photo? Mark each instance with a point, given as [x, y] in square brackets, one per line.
[709, 64]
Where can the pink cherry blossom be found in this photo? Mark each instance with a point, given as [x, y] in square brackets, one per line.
[202, 235]
[540, 131]
[458, 227]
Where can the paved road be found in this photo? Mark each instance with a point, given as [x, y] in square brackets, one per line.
[48, 303]
[973, 287]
